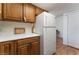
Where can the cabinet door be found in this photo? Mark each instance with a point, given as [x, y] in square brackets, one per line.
[29, 13]
[0, 11]
[35, 48]
[24, 49]
[38, 10]
[7, 48]
[12, 11]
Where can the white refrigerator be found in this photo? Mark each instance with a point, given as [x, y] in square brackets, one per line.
[45, 27]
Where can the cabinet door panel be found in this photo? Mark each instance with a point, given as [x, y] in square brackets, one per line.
[13, 11]
[0, 11]
[16, 11]
[35, 48]
[4, 49]
[7, 48]
[29, 13]
[24, 49]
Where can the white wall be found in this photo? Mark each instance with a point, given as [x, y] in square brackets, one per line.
[59, 24]
[71, 29]
[60, 8]
[7, 28]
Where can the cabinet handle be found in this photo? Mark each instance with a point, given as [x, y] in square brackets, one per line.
[26, 44]
[0, 12]
[24, 19]
[35, 42]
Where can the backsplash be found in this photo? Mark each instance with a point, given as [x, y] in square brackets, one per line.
[7, 28]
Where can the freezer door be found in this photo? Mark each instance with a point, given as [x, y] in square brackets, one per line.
[49, 20]
[49, 41]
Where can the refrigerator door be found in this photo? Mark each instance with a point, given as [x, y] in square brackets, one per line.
[49, 41]
[49, 20]
[39, 24]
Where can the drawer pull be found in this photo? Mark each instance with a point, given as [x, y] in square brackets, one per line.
[25, 44]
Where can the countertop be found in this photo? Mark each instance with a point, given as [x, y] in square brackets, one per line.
[16, 36]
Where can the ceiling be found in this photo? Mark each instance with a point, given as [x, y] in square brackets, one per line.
[58, 8]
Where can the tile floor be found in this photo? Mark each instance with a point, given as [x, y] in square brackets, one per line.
[65, 50]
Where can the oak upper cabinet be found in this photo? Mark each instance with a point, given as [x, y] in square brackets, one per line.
[7, 48]
[35, 48]
[29, 13]
[20, 12]
[38, 11]
[12, 11]
[0, 11]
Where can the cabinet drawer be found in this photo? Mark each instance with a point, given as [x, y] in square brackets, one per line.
[28, 40]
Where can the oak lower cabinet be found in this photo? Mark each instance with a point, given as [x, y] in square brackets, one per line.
[24, 49]
[29, 46]
[35, 48]
[29, 49]
[26, 46]
[7, 48]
